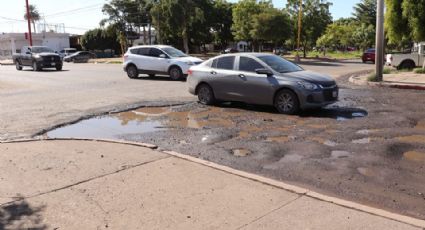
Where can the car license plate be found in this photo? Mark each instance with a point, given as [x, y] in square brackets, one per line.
[335, 93]
[53, 63]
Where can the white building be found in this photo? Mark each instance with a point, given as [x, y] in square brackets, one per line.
[13, 42]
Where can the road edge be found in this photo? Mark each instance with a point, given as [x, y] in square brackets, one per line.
[278, 184]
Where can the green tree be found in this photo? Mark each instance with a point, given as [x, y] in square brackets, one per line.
[414, 12]
[364, 36]
[404, 22]
[101, 39]
[243, 13]
[315, 19]
[127, 15]
[365, 12]
[337, 36]
[34, 15]
[222, 23]
[272, 25]
[175, 18]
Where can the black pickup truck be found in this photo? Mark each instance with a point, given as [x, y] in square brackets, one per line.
[38, 57]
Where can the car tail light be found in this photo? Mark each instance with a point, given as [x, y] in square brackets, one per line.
[189, 72]
[125, 58]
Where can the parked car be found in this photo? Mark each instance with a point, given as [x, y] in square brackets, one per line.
[80, 57]
[260, 78]
[67, 51]
[158, 59]
[409, 60]
[230, 50]
[369, 56]
[38, 57]
[280, 51]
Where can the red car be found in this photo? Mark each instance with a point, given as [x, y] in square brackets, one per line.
[369, 55]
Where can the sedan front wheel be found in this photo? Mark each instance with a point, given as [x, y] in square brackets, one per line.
[286, 102]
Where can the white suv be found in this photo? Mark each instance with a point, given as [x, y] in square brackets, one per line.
[158, 59]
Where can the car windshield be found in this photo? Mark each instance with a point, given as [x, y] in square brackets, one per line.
[172, 52]
[41, 50]
[279, 64]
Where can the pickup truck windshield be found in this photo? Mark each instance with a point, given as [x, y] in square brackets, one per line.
[41, 50]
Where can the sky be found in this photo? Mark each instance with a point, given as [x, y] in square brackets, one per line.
[78, 16]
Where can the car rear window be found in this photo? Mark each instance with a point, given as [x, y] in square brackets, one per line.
[249, 65]
[224, 63]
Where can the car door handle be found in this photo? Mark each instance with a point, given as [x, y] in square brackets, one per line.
[241, 75]
[213, 72]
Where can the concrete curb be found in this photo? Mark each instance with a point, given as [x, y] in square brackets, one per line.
[278, 184]
[397, 85]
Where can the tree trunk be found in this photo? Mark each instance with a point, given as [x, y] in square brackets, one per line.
[144, 35]
[423, 65]
[185, 41]
[33, 26]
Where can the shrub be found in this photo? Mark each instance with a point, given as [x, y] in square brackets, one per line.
[420, 70]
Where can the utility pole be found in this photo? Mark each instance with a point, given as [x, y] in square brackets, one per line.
[29, 22]
[300, 15]
[379, 40]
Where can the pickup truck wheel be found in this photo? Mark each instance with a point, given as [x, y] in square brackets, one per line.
[59, 68]
[35, 66]
[132, 71]
[176, 73]
[18, 66]
[407, 65]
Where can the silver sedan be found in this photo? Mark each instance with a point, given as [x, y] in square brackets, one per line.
[258, 78]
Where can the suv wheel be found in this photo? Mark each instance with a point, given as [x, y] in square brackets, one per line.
[175, 73]
[286, 102]
[18, 66]
[58, 67]
[132, 71]
[206, 94]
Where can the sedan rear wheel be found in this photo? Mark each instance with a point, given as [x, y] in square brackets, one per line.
[206, 94]
[132, 72]
[286, 102]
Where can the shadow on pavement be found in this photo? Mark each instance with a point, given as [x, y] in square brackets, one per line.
[21, 215]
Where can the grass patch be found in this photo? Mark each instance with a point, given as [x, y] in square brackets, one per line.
[332, 54]
[115, 62]
[372, 77]
[387, 71]
[419, 70]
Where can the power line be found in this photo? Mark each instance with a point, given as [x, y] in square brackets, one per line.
[74, 10]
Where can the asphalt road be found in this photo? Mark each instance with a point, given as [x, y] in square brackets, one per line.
[376, 158]
[34, 101]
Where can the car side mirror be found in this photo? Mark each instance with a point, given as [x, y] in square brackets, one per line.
[163, 56]
[264, 71]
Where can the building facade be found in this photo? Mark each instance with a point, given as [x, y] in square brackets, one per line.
[13, 42]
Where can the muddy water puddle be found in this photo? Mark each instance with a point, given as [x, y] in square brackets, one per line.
[248, 124]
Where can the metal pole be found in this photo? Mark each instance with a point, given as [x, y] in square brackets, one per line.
[29, 22]
[379, 40]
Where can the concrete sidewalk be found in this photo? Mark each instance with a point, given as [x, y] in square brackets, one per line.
[6, 62]
[102, 185]
[408, 80]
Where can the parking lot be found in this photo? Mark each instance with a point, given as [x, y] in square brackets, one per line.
[364, 148]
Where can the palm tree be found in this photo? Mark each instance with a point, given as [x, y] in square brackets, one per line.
[35, 15]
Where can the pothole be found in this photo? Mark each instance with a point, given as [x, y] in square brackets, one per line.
[414, 156]
[241, 152]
